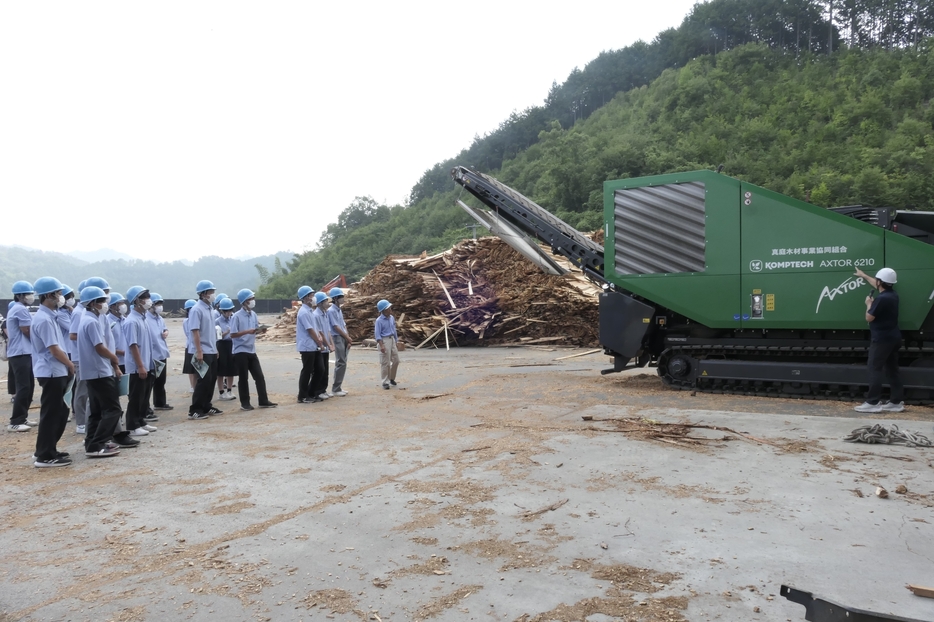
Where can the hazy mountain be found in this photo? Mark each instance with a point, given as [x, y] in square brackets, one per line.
[101, 254]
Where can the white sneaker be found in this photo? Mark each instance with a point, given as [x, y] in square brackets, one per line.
[227, 396]
[339, 393]
[139, 432]
[893, 407]
[866, 407]
[22, 427]
[150, 428]
[79, 429]
[324, 396]
[191, 389]
[31, 423]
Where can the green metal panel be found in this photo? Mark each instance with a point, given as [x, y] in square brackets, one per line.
[711, 297]
[805, 257]
[913, 261]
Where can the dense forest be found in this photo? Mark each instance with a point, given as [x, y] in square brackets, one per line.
[172, 280]
[827, 101]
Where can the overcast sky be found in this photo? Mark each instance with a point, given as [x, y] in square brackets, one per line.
[172, 130]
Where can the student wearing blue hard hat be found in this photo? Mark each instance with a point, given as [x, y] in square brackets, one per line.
[100, 369]
[225, 364]
[341, 340]
[187, 369]
[387, 339]
[203, 349]
[308, 342]
[19, 356]
[319, 377]
[53, 371]
[160, 353]
[243, 328]
[140, 364]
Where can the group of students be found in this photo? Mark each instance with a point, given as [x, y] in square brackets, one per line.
[80, 345]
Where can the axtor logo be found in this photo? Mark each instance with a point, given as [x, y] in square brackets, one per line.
[847, 286]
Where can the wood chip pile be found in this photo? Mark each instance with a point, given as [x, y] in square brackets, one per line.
[478, 292]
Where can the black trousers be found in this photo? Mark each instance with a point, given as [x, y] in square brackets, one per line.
[202, 398]
[138, 400]
[53, 416]
[158, 387]
[247, 364]
[883, 364]
[319, 379]
[104, 412]
[311, 368]
[21, 366]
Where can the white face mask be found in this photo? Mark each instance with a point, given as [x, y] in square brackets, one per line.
[61, 301]
[105, 308]
[147, 304]
[210, 299]
[158, 309]
[29, 299]
[70, 303]
[249, 304]
[121, 309]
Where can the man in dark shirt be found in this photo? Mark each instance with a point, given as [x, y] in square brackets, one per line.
[882, 315]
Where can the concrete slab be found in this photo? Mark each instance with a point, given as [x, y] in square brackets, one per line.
[475, 490]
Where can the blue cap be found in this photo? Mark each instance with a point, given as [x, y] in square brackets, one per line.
[226, 304]
[321, 297]
[245, 294]
[382, 305]
[96, 281]
[135, 292]
[219, 298]
[303, 291]
[156, 297]
[23, 287]
[116, 297]
[204, 286]
[335, 292]
[82, 285]
[92, 293]
[47, 285]
[190, 303]
[66, 290]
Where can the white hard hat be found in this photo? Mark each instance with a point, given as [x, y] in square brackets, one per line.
[887, 275]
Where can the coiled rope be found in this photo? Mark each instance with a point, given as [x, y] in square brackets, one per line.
[880, 434]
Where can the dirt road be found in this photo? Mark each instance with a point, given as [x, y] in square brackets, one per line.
[475, 490]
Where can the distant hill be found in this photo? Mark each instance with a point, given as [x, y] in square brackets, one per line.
[101, 254]
[173, 280]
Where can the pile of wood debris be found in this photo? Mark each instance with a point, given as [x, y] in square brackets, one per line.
[478, 292]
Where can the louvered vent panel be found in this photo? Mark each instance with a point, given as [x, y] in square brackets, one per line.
[660, 229]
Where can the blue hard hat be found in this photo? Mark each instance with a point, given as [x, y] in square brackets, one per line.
[321, 297]
[66, 290]
[47, 285]
[303, 291]
[116, 297]
[23, 287]
[96, 281]
[226, 304]
[335, 292]
[135, 292]
[382, 305]
[204, 286]
[156, 297]
[92, 293]
[218, 298]
[82, 285]
[190, 303]
[245, 294]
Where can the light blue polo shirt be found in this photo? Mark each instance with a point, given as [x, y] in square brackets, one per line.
[93, 365]
[244, 320]
[136, 330]
[116, 329]
[45, 333]
[336, 318]
[63, 317]
[201, 319]
[224, 323]
[304, 321]
[322, 325]
[19, 318]
[160, 349]
[76, 316]
[386, 327]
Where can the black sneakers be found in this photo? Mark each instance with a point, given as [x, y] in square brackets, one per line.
[246, 407]
[166, 407]
[392, 382]
[54, 462]
[196, 416]
[215, 411]
[268, 405]
[125, 441]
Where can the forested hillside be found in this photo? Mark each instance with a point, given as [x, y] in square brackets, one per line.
[827, 107]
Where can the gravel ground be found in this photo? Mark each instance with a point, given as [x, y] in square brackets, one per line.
[491, 484]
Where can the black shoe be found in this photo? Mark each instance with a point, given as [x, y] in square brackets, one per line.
[304, 400]
[215, 411]
[125, 441]
[196, 416]
[246, 407]
[151, 417]
[54, 462]
[149, 411]
[392, 382]
[62, 454]
[315, 400]
[166, 407]
[386, 386]
[268, 405]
